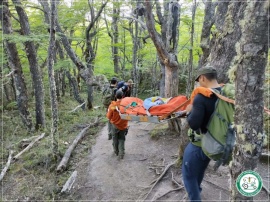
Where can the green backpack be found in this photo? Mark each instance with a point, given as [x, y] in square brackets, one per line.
[108, 97]
[219, 140]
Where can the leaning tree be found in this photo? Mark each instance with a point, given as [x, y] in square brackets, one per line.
[166, 45]
[14, 63]
[31, 54]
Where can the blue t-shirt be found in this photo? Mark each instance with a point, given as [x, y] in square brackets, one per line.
[123, 86]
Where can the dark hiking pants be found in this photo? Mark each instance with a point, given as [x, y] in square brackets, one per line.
[118, 140]
[109, 130]
[194, 165]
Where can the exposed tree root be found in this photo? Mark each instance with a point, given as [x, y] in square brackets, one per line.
[174, 181]
[219, 187]
[159, 178]
[171, 190]
[265, 188]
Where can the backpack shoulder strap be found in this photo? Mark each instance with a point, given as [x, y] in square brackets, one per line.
[222, 97]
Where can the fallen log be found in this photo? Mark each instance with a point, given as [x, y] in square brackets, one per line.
[63, 164]
[29, 146]
[6, 166]
[69, 182]
[25, 142]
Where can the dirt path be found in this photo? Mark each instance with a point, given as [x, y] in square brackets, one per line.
[105, 177]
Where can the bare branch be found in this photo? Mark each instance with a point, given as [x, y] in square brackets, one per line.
[29, 146]
[93, 20]
[107, 26]
[138, 20]
[77, 107]
[10, 73]
[158, 10]
[7, 165]
[162, 52]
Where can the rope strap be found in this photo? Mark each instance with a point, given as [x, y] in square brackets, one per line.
[223, 97]
[233, 101]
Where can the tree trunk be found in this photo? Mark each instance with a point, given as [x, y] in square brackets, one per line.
[190, 81]
[135, 59]
[89, 52]
[74, 89]
[8, 86]
[166, 52]
[220, 15]
[34, 68]
[53, 96]
[82, 69]
[208, 22]
[162, 79]
[62, 75]
[224, 40]
[15, 65]
[249, 64]
[115, 35]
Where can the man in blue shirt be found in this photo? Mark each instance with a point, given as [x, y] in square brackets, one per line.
[125, 87]
[199, 112]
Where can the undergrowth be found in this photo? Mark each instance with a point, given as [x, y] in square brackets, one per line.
[33, 176]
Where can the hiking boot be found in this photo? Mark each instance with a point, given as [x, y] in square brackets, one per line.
[121, 156]
[116, 153]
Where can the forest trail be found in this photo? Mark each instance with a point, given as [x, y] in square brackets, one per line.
[102, 176]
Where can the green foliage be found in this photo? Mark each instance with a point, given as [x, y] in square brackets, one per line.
[16, 38]
[63, 64]
[11, 106]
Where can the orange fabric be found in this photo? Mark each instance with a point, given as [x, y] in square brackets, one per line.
[155, 110]
[114, 117]
[200, 90]
[125, 107]
[169, 107]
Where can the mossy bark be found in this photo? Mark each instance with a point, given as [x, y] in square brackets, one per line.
[31, 54]
[225, 37]
[16, 67]
[250, 62]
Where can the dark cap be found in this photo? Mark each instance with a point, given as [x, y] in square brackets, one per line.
[119, 94]
[113, 80]
[205, 70]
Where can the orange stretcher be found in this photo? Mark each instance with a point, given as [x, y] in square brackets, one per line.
[132, 109]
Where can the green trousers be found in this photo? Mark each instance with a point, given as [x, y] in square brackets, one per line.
[109, 130]
[119, 137]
